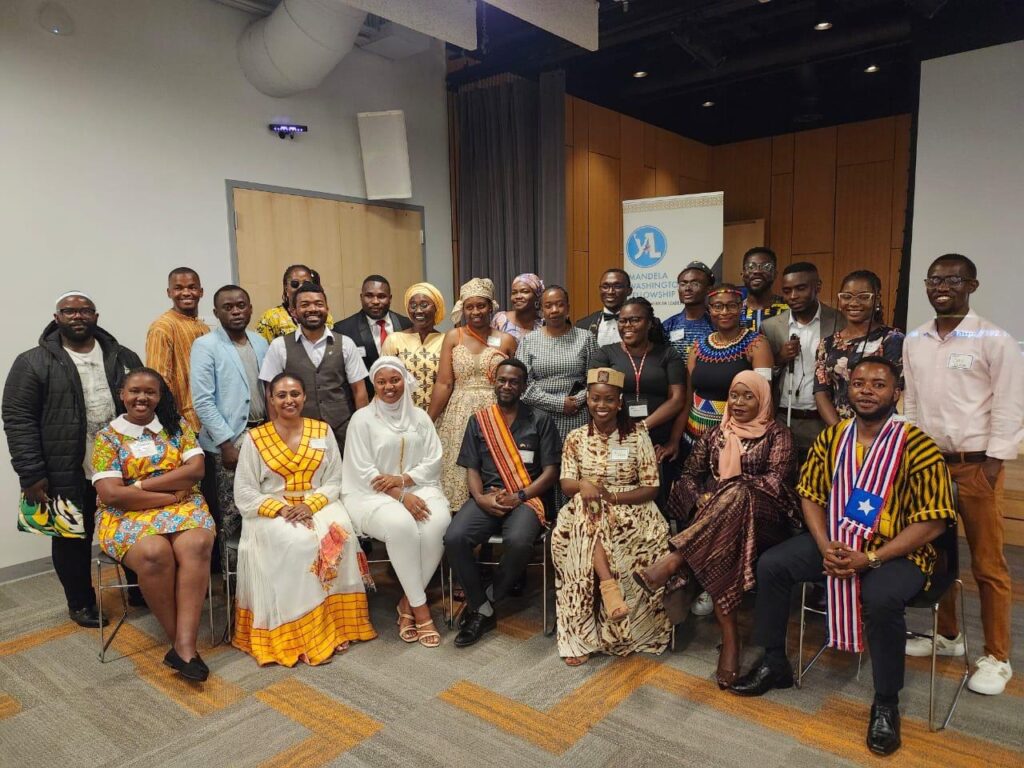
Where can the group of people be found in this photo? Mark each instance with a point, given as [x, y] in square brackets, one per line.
[752, 439]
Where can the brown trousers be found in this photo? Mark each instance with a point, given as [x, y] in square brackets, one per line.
[980, 507]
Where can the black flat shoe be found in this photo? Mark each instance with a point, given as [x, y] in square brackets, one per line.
[884, 729]
[761, 679]
[195, 670]
[475, 626]
[88, 617]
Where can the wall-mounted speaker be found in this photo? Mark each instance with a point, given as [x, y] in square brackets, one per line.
[385, 155]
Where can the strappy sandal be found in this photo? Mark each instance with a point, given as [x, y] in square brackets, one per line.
[408, 633]
[576, 661]
[428, 638]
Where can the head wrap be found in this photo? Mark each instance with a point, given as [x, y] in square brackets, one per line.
[724, 288]
[533, 281]
[606, 376]
[480, 287]
[729, 460]
[69, 294]
[427, 290]
[397, 416]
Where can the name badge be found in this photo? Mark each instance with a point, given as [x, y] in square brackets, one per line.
[618, 454]
[960, 361]
[362, 351]
[143, 449]
[677, 335]
[493, 341]
[526, 456]
[318, 443]
[638, 410]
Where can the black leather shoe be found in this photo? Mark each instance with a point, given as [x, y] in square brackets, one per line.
[88, 617]
[195, 669]
[884, 729]
[761, 679]
[475, 626]
[518, 587]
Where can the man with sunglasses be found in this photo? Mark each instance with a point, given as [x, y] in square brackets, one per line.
[965, 388]
[759, 266]
[58, 395]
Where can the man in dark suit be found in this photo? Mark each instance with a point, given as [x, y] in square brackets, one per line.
[615, 288]
[794, 335]
[371, 326]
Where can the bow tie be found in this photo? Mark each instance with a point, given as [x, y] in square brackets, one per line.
[609, 315]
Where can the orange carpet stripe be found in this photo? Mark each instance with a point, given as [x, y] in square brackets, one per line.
[147, 654]
[9, 706]
[602, 693]
[40, 636]
[308, 753]
[518, 626]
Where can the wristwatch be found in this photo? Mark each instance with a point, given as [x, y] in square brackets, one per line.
[873, 561]
[522, 496]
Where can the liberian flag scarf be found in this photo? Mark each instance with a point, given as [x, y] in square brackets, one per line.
[857, 498]
[506, 456]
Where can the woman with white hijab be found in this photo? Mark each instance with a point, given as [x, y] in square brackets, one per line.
[391, 486]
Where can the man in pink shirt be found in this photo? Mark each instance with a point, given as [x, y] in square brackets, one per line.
[965, 388]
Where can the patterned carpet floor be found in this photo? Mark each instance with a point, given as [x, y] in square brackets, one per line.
[507, 701]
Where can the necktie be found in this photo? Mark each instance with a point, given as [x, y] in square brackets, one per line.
[382, 324]
[610, 315]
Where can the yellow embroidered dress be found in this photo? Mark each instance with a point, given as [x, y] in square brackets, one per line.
[300, 592]
[420, 358]
[277, 322]
[130, 452]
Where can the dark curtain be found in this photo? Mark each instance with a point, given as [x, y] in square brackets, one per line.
[510, 209]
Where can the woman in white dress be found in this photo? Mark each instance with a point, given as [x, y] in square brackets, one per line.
[391, 476]
[301, 596]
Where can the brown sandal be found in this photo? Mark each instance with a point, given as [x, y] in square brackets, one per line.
[428, 638]
[576, 661]
[611, 595]
[408, 633]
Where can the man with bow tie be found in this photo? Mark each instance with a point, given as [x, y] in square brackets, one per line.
[615, 289]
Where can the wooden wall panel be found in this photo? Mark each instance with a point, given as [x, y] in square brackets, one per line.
[892, 282]
[569, 105]
[865, 142]
[665, 182]
[690, 186]
[631, 158]
[570, 232]
[826, 270]
[604, 130]
[650, 146]
[576, 282]
[737, 239]
[780, 223]
[669, 152]
[743, 172]
[814, 189]
[580, 196]
[605, 216]
[782, 153]
[900, 179]
[864, 217]
[694, 159]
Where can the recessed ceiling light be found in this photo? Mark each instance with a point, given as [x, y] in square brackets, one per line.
[821, 26]
[708, 103]
[639, 73]
[871, 69]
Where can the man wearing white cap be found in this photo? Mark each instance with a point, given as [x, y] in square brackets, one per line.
[58, 395]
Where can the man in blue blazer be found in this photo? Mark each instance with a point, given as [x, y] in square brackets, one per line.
[227, 393]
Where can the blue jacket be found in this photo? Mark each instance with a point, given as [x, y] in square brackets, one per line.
[220, 390]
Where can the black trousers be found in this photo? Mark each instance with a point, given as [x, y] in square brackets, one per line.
[885, 592]
[471, 527]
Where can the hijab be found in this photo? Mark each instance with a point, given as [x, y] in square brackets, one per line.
[430, 291]
[729, 460]
[399, 416]
[477, 286]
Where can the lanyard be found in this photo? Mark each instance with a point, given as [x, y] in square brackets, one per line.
[637, 371]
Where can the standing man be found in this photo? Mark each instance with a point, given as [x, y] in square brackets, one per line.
[58, 395]
[511, 453]
[170, 337]
[227, 393]
[329, 365]
[965, 388]
[615, 288]
[809, 321]
[693, 323]
[371, 326]
[759, 266]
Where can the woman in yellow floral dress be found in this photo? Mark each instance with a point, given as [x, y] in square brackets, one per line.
[419, 347]
[147, 468]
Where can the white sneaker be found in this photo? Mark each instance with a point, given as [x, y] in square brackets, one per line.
[703, 605]
[922, 646]
[991, 676]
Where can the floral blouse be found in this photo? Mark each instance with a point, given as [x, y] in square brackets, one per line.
[837, 355]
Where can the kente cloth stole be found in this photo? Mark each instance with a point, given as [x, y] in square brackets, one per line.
[506, 456]
[855, 502]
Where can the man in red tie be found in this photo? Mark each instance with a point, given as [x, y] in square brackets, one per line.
[372, 324]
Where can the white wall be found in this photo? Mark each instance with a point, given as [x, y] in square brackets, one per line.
[969, 185]
[115, 144]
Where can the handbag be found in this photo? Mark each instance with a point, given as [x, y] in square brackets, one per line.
[55, 517]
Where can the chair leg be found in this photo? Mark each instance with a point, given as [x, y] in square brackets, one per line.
[802, 670]
[967, 662]
[441, 569]
[121, 587]
[451, 598]
[230, 605]
[209, 597]
[544, 581]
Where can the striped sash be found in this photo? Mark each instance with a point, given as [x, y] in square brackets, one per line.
[506, 456]
[855, 502]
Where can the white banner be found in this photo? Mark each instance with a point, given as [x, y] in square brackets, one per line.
[663, 235]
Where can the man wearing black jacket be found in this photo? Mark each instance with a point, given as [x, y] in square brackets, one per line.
[373, 323]
[58, 395]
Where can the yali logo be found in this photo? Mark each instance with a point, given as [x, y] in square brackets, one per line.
[646, 246]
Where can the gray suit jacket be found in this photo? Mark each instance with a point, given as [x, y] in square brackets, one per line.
[776, 329]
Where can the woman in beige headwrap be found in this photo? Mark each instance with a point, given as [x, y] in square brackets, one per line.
[465, 377]
[419, 347]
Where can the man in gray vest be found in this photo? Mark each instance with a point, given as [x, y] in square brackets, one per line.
[327, 363]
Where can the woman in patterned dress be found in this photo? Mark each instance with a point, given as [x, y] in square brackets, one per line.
[278, 321]
[860, 302]
[301, 595]
[557, 356]
[419, 347]
[736, 492]
[609, 529]
[524, 305]
[148, 465]
[465, 379]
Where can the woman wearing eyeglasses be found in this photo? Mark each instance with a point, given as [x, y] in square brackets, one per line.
[278, 321]
[860, 302]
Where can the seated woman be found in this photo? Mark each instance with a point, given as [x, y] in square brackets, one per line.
[392, 484]
[609, 529]
[153, 518]
[738, 477]
[301, 596]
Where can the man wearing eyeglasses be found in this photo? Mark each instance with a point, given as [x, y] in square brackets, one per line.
[965, 388]
[58, 395]
[759, 265]
[694, 323]
[615, 288]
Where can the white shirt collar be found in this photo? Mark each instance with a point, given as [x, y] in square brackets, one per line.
[126, 428]
[321, 340]
[371, 322]
[794, 323]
